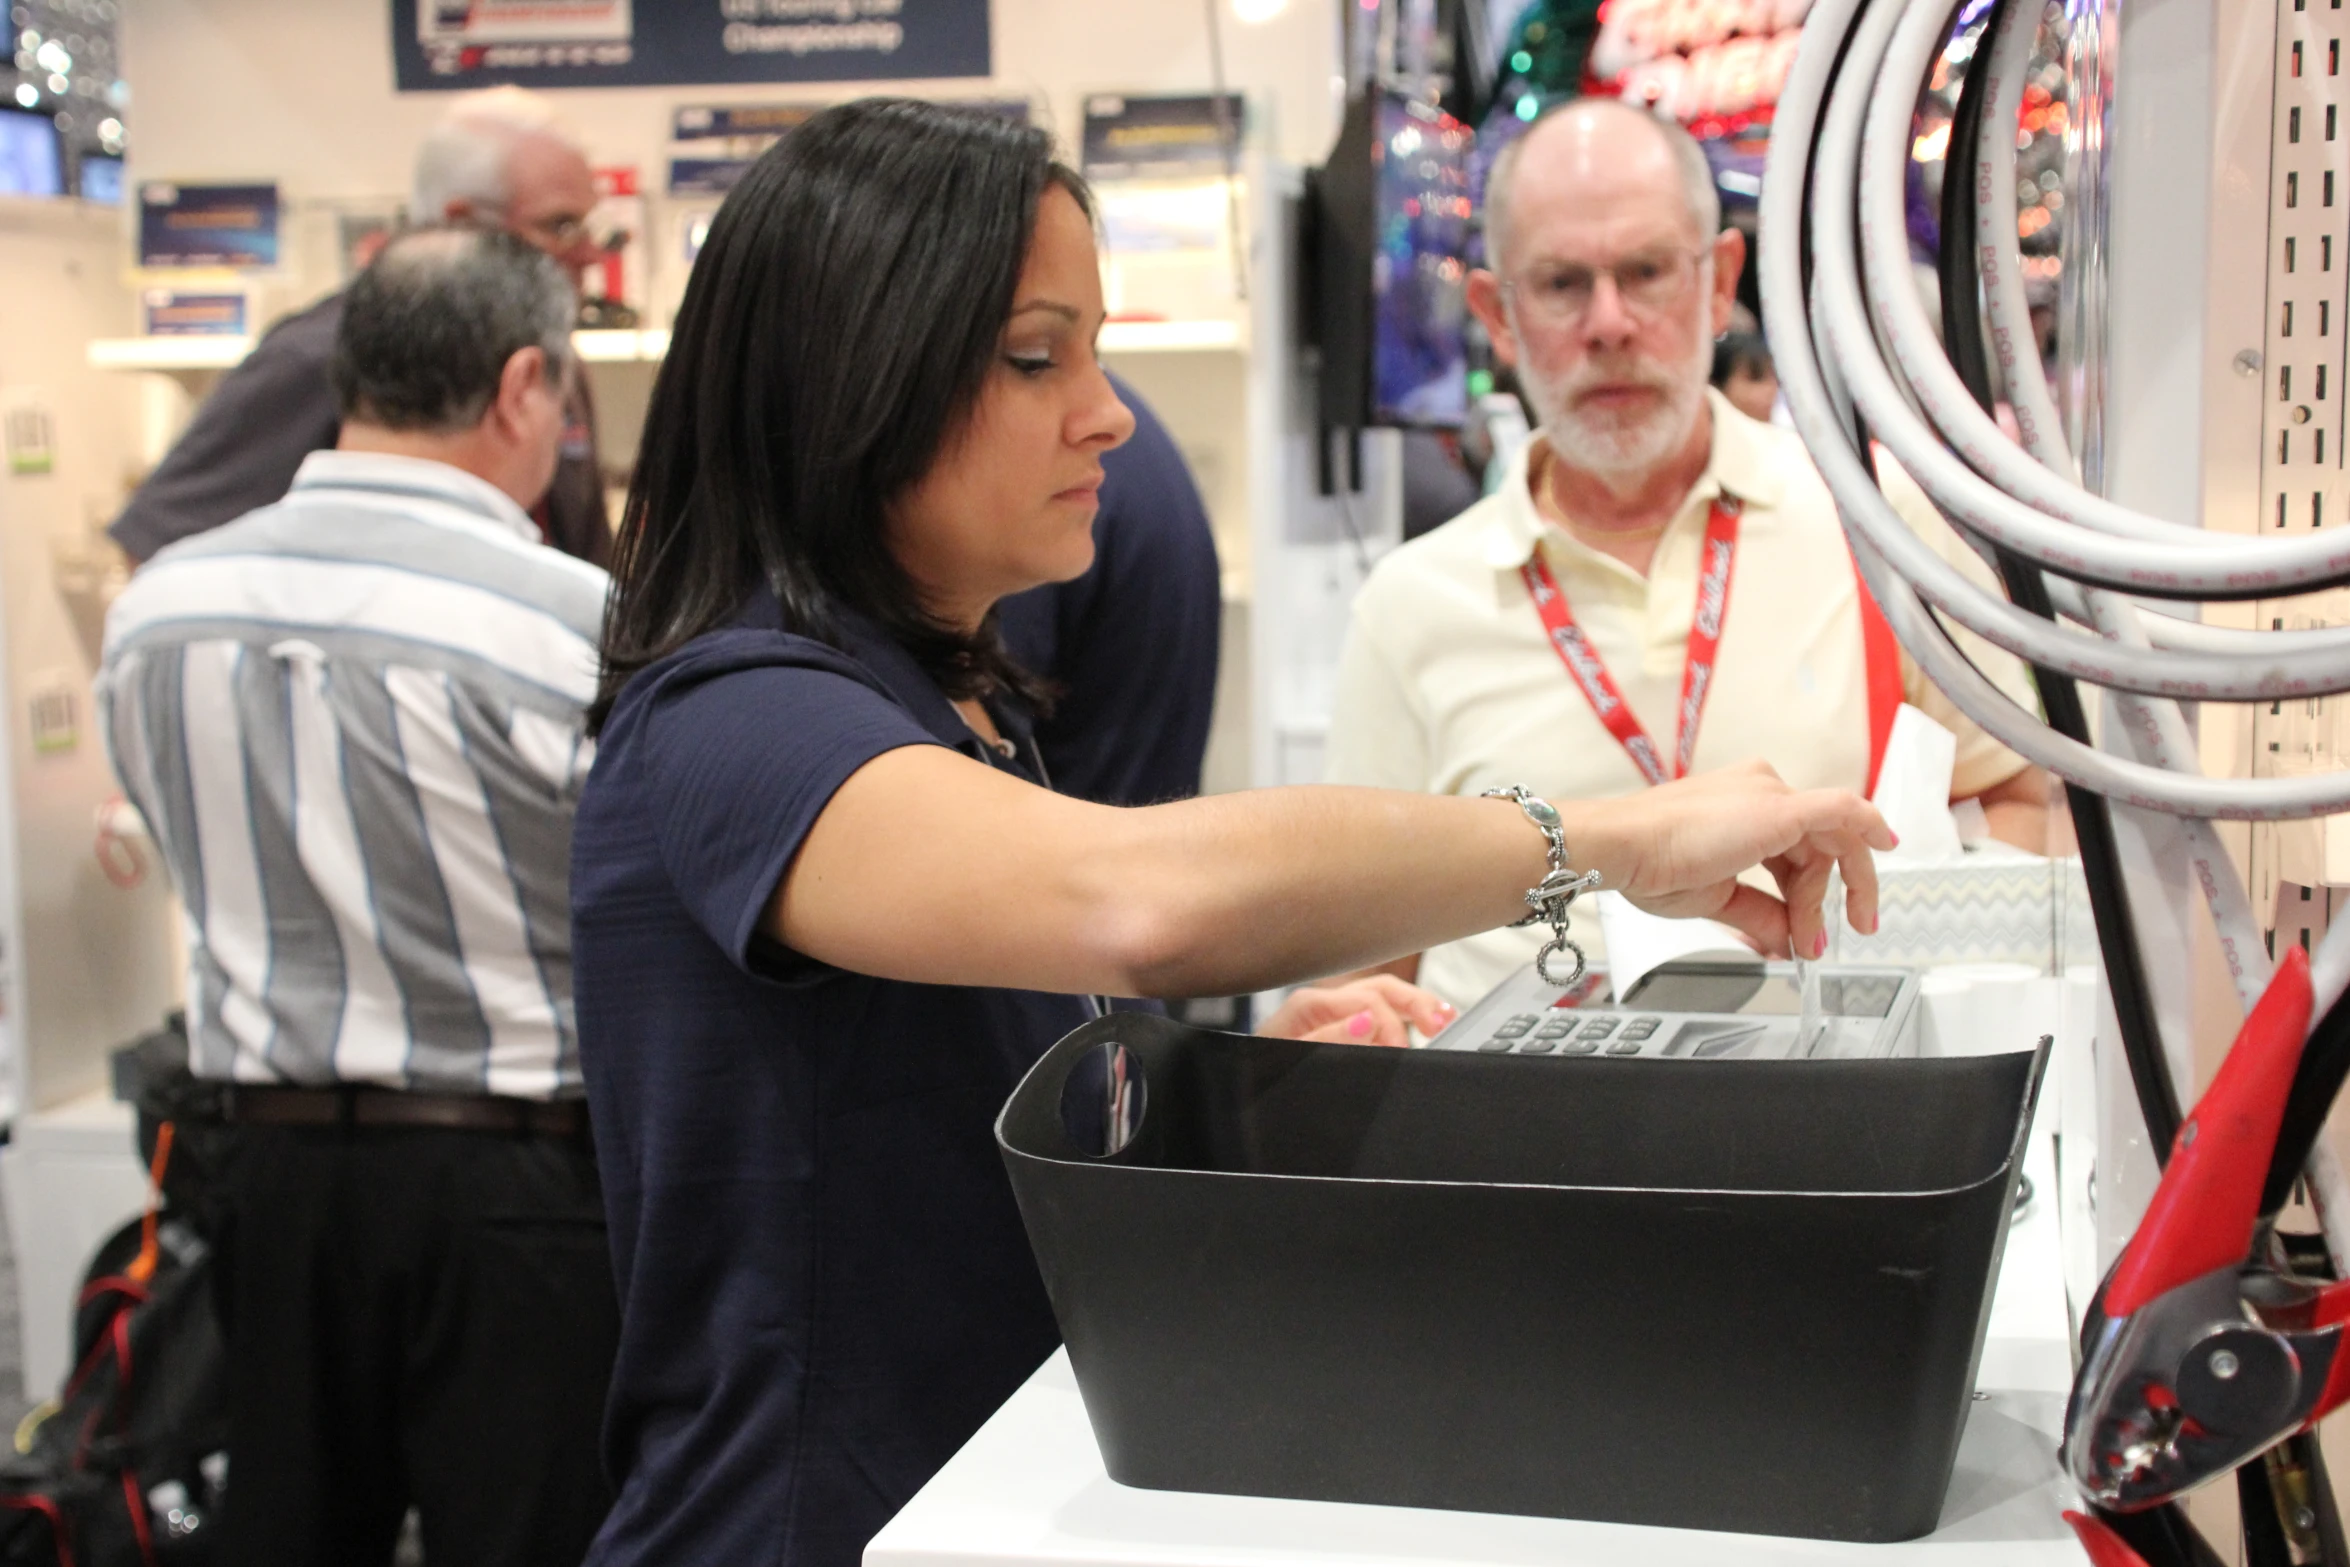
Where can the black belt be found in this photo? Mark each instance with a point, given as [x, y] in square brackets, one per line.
[263, 1106]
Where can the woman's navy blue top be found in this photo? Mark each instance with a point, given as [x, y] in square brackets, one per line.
[824, 1283]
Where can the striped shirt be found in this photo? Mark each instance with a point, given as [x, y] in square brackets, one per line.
[353, 721]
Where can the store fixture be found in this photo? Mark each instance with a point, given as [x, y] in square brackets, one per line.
[1860, 362]
[1220, 382]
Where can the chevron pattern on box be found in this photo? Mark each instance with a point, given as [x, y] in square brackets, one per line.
[2005, 911]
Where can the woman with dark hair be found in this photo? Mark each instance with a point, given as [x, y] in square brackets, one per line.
[827, 909]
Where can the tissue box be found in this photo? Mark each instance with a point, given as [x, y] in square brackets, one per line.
[1994, 904]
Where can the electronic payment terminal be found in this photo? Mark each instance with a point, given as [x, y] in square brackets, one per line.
[1699, 1010]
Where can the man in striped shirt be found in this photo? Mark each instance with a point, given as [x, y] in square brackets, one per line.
[353, 722]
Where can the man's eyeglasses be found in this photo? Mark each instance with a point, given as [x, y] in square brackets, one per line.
[558, 233]
[1557, 293]
[552, 234]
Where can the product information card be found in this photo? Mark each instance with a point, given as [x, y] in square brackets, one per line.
[207, 225]
[1164, 136]
[168, 313]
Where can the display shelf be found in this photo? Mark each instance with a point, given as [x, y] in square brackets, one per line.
[58, 215]
[183, 354]
[178, 355]
[1171, 337]
[168, 353]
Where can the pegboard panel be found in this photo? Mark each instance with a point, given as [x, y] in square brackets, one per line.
[2304, 481]
[2302, 470]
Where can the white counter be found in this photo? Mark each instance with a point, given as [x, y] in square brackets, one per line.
[1030, 1488]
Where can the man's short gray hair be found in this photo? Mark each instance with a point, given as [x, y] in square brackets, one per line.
[465, 156]
[428, 328]
[1697, 173]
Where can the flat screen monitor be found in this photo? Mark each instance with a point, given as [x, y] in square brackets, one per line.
[101, 178]
[1419, 313]
[31, 162]
[1388, 221]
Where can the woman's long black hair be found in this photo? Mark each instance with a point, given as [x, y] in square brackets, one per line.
[841, 319]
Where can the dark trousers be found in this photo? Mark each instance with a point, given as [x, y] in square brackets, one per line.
[414, 1317]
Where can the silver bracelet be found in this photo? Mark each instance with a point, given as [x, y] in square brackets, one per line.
[1547, 901]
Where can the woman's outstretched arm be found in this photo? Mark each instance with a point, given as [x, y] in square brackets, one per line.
[931, 867]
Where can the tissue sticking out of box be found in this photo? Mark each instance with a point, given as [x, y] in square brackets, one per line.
[1913, 789]
[1941, 901]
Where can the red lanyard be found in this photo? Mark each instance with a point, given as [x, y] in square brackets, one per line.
[1705, 641]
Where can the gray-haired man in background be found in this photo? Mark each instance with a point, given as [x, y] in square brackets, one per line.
[353, 721]
[497, 159]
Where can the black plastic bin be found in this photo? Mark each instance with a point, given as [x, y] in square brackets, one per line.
[1742, 1295]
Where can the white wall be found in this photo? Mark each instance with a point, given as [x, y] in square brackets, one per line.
[300, 91]
[85, 965]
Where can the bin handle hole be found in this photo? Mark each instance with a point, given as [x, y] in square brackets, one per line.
[1103, 1099]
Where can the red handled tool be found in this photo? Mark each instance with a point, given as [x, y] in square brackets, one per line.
[2105, 1548]
[2203, 1349]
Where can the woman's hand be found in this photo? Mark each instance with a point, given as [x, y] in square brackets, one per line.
[1370, 1010]
[1677, 849]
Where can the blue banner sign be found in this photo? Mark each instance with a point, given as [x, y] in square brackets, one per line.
[440, 45]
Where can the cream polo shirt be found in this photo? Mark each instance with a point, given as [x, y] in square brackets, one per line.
[1449, 684]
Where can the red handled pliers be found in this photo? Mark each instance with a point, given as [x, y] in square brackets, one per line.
[2203, 1350]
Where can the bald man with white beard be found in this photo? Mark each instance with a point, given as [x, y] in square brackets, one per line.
[1660, 585]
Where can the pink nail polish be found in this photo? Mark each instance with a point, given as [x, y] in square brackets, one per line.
[1819, 945]
[1360, 1024]
[1896, 837]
